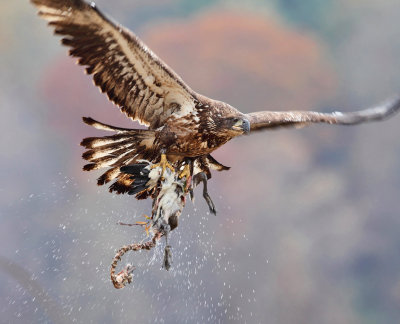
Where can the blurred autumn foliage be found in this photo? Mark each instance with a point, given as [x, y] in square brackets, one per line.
[225, 54]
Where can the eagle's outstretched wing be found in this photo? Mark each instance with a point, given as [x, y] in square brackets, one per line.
[133, 77]
[274, 119]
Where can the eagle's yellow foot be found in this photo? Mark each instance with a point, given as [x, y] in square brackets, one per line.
[185, 172]
[163, 164]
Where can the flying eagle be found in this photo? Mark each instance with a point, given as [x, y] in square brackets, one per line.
[182, 124]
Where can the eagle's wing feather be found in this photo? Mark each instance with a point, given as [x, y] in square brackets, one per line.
[133, 77]
[274, 119]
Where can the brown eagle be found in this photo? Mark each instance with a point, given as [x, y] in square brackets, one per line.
[182, 124]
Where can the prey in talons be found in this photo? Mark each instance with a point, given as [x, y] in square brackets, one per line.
[168, 186]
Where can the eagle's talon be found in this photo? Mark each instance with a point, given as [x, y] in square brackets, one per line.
[185, 172]
[163, 164]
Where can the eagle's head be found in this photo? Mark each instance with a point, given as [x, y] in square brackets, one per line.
[225, 122]
[231, 122]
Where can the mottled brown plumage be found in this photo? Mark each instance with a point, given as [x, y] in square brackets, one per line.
[181, 122]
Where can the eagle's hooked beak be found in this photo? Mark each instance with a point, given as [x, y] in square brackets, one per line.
[246, 126]
[242, 125]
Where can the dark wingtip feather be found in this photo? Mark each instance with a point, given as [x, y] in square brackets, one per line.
[88, 120]
[106, 177]
[88, 155]
[143, 195]
[87, 142]
[101, 180]
[119, 188]
[89, 167]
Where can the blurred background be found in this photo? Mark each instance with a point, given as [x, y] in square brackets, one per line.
[308, 223]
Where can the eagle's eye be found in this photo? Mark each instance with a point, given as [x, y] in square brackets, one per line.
[236, 123]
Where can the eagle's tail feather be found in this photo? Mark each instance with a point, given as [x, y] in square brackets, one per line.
[115, 151]
[108, 176]
[91, 122]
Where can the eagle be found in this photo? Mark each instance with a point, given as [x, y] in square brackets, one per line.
[182, 125]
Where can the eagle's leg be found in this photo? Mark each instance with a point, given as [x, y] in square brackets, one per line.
[163, 164]
[167, 258]
[202, 177]
[167, 251]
